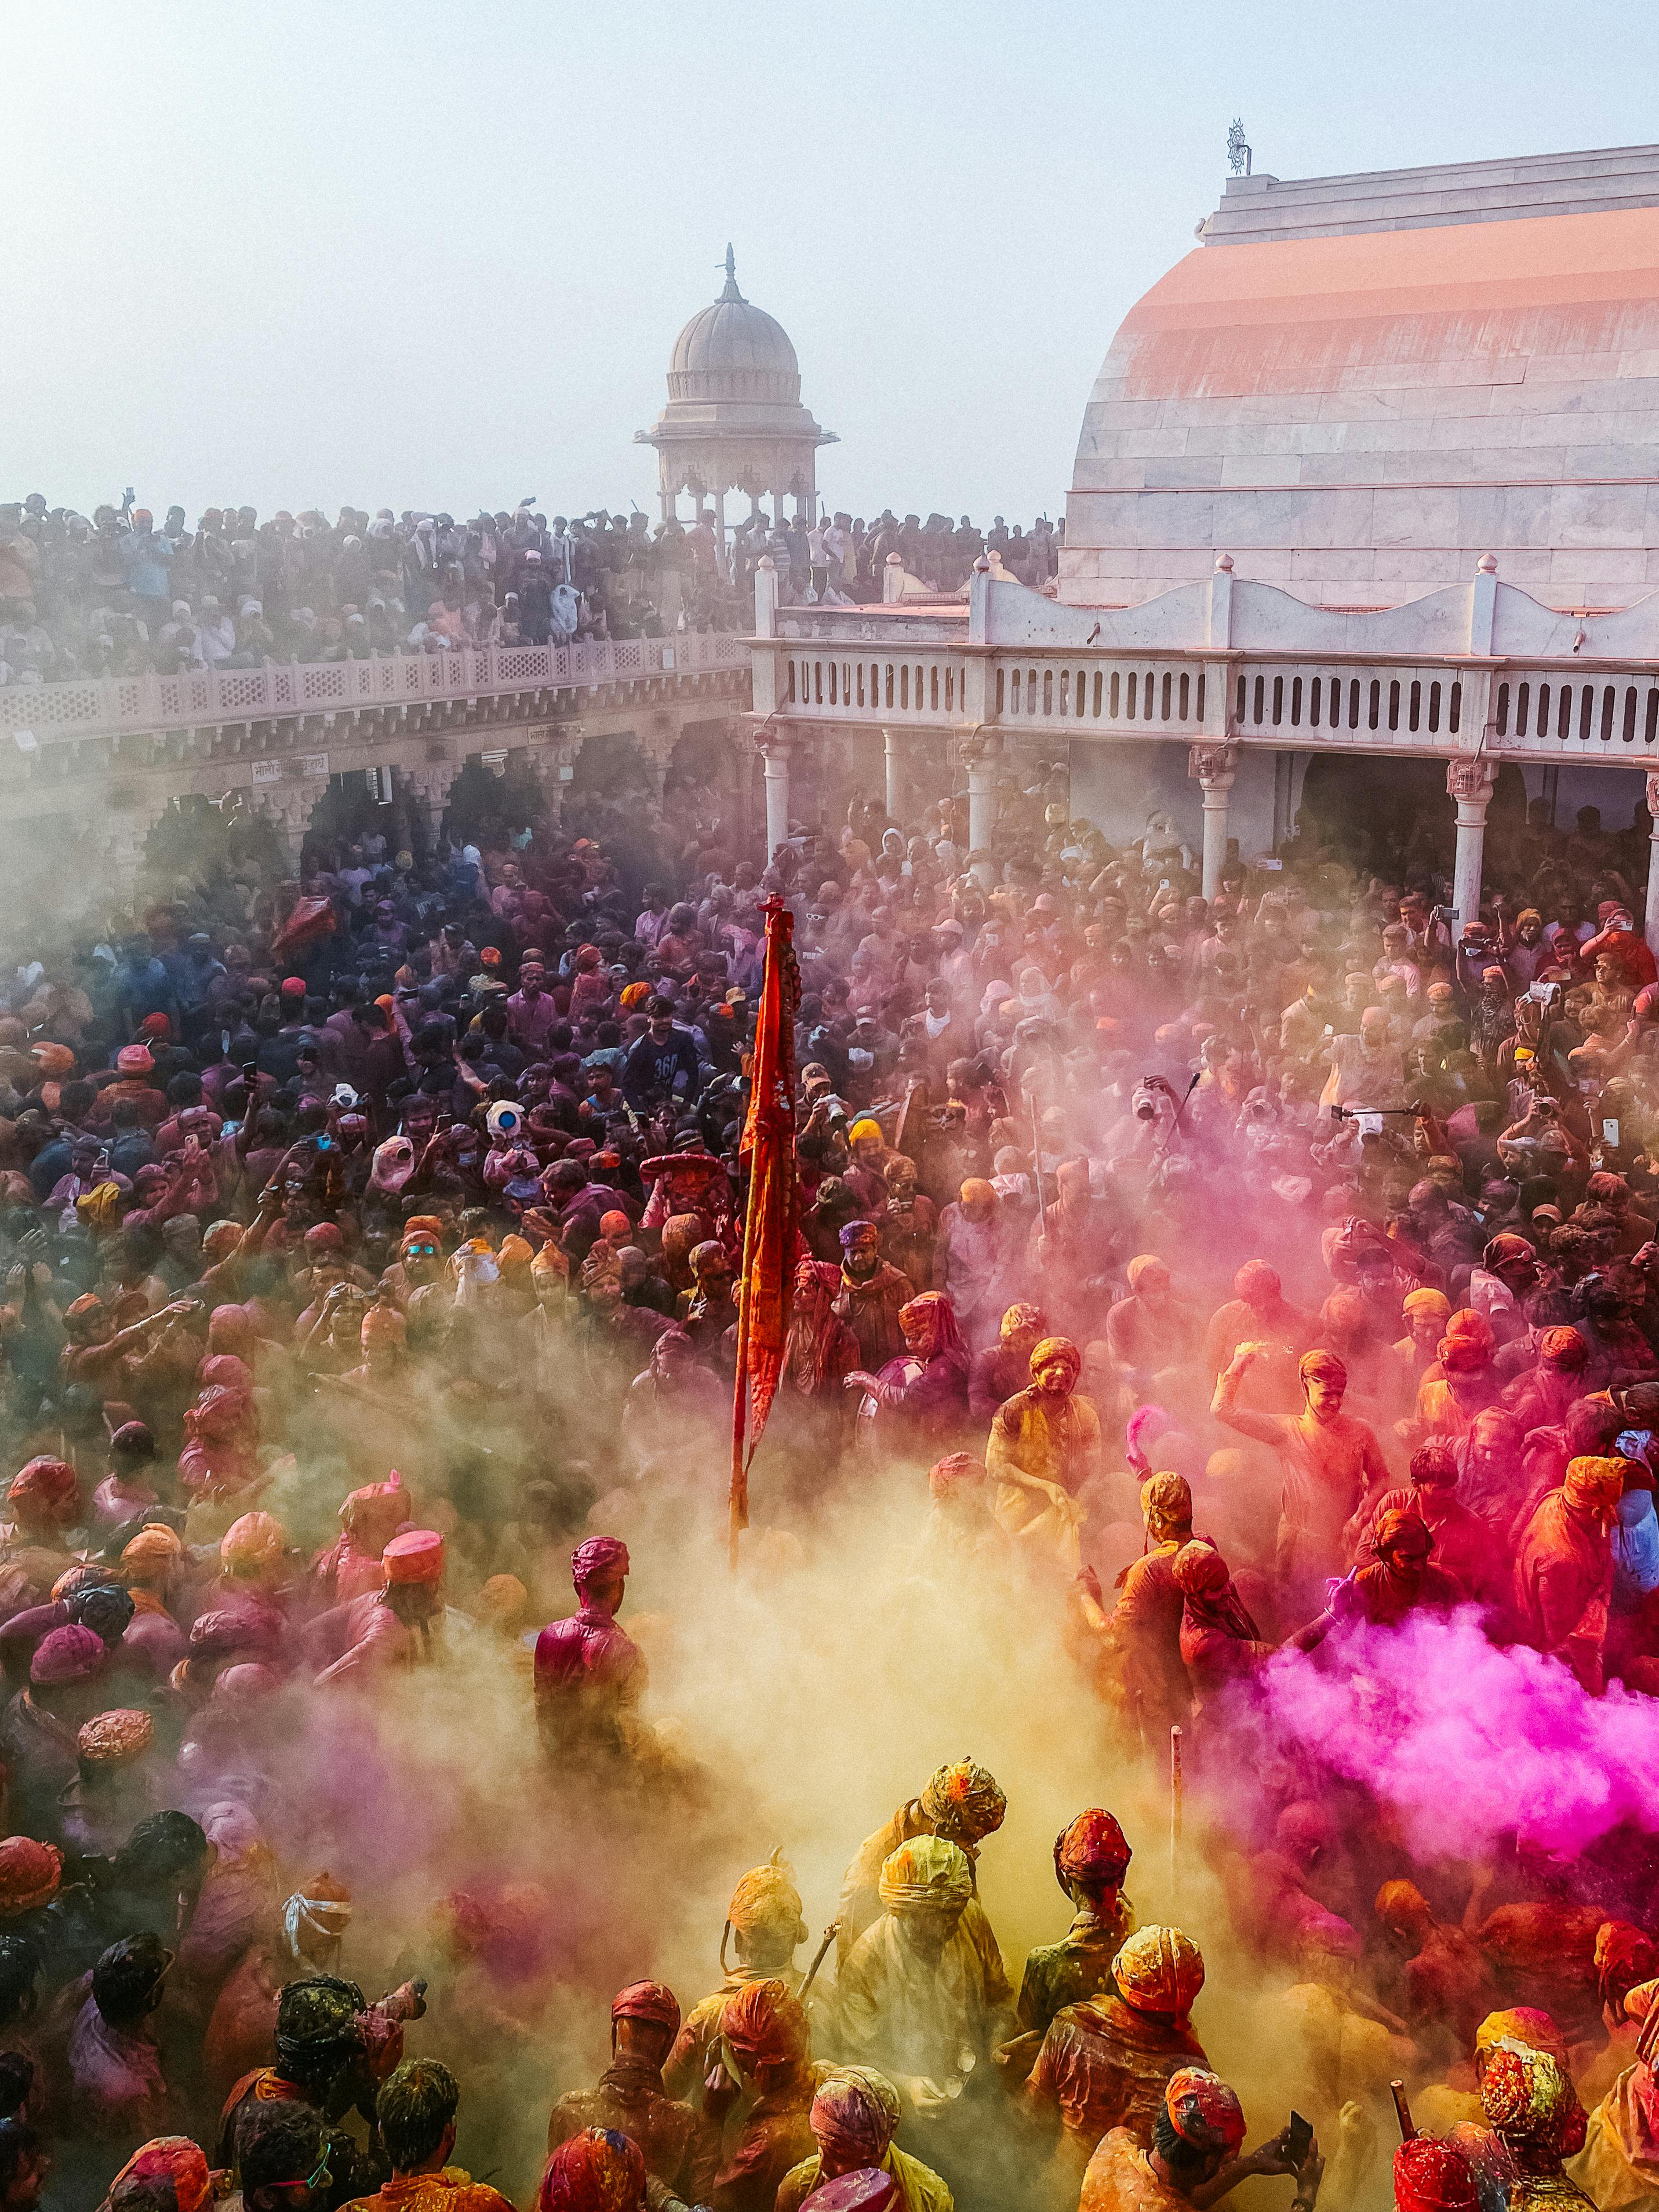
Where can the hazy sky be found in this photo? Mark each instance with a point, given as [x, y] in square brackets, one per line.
[393, 252]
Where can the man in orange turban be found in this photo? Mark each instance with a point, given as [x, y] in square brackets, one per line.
[1563, 1566]
[766, 1927]
[681, 2149]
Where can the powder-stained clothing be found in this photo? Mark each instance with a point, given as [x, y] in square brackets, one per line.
[1146, 1629]
[870, 1306]
[679, 2145]
[687, 2063]
[1619, 2166]
[120, 2093]
[920, 2190]
[1076, 1968]
[761, 2148]
[1327, 1467]
[1563, 1586]
[1102, 2065]
[1463, 1543]
[908, 2015]
[1119, 2178]
[451, 2190]
[1056, 1442]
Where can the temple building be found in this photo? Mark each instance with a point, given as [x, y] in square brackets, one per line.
[734, 420]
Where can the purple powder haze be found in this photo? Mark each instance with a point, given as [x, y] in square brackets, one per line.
[1467, 1742]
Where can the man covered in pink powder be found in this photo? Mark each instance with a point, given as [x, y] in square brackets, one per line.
[590, 1674]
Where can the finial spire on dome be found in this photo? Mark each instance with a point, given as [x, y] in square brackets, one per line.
[731, 291]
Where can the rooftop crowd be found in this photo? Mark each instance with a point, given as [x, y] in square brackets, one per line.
[118, 594]
[1234, 1290]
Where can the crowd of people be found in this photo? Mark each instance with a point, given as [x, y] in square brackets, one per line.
[117, 595]
[1253, 1299]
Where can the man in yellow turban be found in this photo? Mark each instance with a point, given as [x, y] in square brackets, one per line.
[1044, 1447]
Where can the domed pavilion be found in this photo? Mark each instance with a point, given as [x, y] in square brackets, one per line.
[734, 420]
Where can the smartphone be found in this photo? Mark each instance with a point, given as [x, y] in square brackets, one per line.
[1610, 1133]
[1299, 2139]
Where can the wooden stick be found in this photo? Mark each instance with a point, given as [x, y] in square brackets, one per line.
[1402, 2112]
[1176, 1795]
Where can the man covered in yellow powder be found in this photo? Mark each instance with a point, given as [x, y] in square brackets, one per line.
[766, 1928]
[961, 1804]
[1044, 1447]
[854, 2117]
[919, 1996]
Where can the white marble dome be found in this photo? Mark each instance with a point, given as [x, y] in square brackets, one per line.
[734, 350]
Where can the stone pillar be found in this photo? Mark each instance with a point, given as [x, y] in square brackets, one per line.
[1470, 783]
[980, 754]
[1651, 926]
[429, 790]
[1213, 768]
[893, 743]
[774, 750]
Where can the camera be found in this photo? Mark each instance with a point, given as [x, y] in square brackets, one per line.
[1145, 1099]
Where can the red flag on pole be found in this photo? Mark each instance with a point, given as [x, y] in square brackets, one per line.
[768, 1228]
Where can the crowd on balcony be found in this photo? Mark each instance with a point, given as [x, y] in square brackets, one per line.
[117, 595]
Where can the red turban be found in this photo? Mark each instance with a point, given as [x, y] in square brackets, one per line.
[1256, 1280]
[1565, 1349]
[170, 2158]
[1430, 2176]
[68, 1655]
[765, 2026]
[418, 1556]
[957, 1471]
[855, 2115]
[29, 1874]
[1203, 2111]
[599, 1557]
[653, 2001]
[597, 2170]
[1093, 1849]
[46, 1486]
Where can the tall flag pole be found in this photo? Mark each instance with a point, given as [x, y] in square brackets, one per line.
[769, 1227]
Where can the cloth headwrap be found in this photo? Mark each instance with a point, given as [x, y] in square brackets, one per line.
[29, 1874]
[383, 1325]
[379, 1510]
[765, 2026]
[115, 1739]
[1159, 1970]
[1203, 2111]
[68, 1655]
[252, 1544]
[170, 2158]
[322, 1908]
[1198, 1567]
[1525, 2095]
[858, 1233]
[1256, 1280]
[1166, 1497]
[653, 2001]
[599, 1557]
[1522, 2024]
[926, 1870]
[767, 1898]
[1597, 1484]
[1093, 1849]
[957, 1471]
[1625, 1957]
[1323, 1367]
[46, 1485]
[967, 1796]
[1053, 1348]
[155, 1545]
[597, 2170]
[1564, 1348]
[855, 2115]
[1144, 1264]
[1021, 1316]
[418, 1556]
[1430, 2176]
[975, 1191]
[864, 1127]
[1427, 1305]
